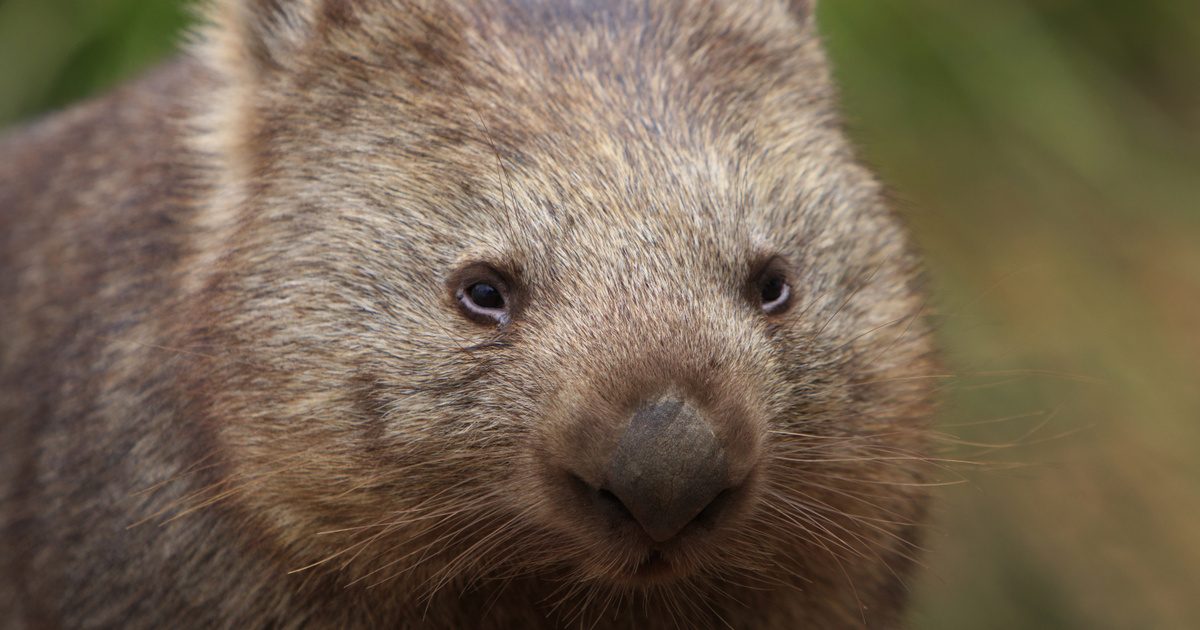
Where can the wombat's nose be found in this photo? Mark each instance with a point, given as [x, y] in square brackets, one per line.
[667, 468]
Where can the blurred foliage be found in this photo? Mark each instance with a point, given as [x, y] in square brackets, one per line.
[1047, 154]
[53, 52]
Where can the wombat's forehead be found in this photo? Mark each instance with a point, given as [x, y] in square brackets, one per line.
[609, 212]
[635, 205]
[652, 140]
[540, 63]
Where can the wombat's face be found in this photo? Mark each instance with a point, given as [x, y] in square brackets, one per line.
[588, 293]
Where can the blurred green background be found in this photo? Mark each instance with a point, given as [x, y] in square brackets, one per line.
[1047, 153]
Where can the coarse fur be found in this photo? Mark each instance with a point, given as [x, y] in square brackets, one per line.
[236, 389]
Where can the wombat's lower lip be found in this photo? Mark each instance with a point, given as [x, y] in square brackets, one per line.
[655, 567]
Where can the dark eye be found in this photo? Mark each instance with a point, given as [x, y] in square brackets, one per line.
[777, 294]
[483, 297]
[771, 288]
[484, 301]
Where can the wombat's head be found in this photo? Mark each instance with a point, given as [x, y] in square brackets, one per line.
[590, 291]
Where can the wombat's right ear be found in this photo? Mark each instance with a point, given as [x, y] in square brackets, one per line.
[259, 35]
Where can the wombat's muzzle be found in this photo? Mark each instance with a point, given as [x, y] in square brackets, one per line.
[668, 468]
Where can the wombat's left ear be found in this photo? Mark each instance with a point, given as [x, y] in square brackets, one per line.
[803, 8]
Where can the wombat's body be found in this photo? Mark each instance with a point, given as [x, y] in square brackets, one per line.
[490, 314]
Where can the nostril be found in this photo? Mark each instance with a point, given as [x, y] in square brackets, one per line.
[608, 503]
[579, 484]
[612, 504]
[712, 512]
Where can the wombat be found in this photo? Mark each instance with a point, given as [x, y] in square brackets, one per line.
[461, 314]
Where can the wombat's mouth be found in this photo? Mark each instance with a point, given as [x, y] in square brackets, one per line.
[654, 566]
[654, 503]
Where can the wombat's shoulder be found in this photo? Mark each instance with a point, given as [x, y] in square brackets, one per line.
[92, 202]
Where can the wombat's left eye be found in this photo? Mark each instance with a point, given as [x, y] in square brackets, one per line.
[770, 287]
[776, 294]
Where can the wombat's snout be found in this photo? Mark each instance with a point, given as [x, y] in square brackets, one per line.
[668, 469]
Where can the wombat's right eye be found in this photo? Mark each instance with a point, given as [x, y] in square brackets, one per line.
[482, 295]
[484, 302]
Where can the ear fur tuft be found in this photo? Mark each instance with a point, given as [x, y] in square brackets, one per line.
[265, 34]
[803, 9]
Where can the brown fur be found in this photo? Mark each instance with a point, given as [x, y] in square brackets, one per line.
[235, 391]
